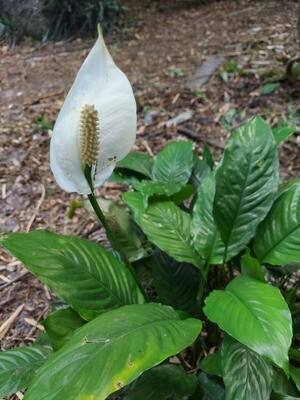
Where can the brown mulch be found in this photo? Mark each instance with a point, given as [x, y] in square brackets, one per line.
[159, 47]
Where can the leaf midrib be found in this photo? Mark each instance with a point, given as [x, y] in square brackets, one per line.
[74, 263]
[237, 213]
[112, 341]
[279, 242]
[248, 309]
[184, 239]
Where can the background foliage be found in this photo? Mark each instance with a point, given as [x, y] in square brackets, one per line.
[55, 19]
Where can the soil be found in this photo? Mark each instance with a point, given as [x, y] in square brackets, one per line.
[161, 45]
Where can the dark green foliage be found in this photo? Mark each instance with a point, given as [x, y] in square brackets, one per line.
[56, 19]
[73, 18]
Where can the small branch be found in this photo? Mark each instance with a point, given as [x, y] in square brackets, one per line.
[13, 280]
[198, 137]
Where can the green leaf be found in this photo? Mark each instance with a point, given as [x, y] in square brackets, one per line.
[255, 314]
[278, 237]
[135, 203]
[208, 389]
[167, 226]
[269, 88]
[138, 162]
[124, 228]
[208, 157]
[212, 364]
[200, 170]
[283, 132]
[206, 236]
[174, 163]
[246, 183]
[250, 266]
[163, 382]
[177, 284]
[111, 351]
[296, 322]
[143, 270]
[123, 178]
[284, 385]
[18, 366]
[279, 396]
[184, 193]
[84, 274]
[152, 188]
[295, 374]
[246, 374]
[60, 326]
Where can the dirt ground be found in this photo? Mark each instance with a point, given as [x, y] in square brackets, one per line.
[159, 48]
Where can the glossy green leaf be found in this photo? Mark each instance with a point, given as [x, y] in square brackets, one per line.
[283, 132]
[295, 374]
[212, 364]
[18, 366]
[167, 226]
[279, 396]
[206, 236]
[277, 240]
[120, 176]
[250, 266]
[207, 156]
[246, 183]
[153, 188]
[138, 162]
[255, 314]
[208, 389]
[200, 171]
[174, 163]
[84, 274]
[134, 201]
[163, 382]
[246, 374]
[128, 235]
[177, 284]
[143, 270]
[184, 193]
[111, 351]
[60, 326]
[284, 385]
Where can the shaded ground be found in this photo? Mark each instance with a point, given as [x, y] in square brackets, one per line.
[158, 49]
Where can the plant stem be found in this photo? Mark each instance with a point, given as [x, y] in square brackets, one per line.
[186, 366]
[110, 235]
[113, 241]
[201, 293]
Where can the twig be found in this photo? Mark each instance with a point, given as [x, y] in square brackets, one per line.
[13, 280]
[36, 208]
[199, 137]
[8, 323]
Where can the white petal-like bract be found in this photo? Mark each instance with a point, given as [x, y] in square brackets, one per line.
[99, 83]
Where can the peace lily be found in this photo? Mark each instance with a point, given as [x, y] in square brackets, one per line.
[96, 126]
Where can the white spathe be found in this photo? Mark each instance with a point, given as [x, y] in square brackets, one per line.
[99, 83]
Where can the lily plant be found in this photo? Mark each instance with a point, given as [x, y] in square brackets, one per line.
[95, 129]
[199, 301]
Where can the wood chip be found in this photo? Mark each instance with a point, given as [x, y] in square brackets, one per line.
[4, 328]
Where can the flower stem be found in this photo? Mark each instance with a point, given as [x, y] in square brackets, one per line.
[110, 235]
